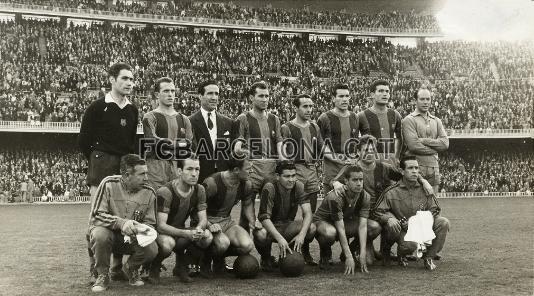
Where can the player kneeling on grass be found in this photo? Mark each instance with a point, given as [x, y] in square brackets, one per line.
[279, 203]
[377, 176]
[178, 200]
[223, 191]
[402, 201]
[341, 217]
[123, 206]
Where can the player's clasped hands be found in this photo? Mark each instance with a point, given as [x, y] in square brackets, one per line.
[197, 234]
[215, 228]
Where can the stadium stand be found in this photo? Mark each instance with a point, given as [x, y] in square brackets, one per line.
[62, 173]
[231, 11]
[55, 174]
[53, 84]
[488, 172]
[51, 71]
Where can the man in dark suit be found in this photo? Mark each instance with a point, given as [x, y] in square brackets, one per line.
[211, 129]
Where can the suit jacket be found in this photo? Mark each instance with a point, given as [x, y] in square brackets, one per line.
[210, 162]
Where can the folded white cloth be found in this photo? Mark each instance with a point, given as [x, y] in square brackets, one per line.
[147, 236]
[420, 230]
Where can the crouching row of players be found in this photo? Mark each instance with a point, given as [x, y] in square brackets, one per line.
[124, 203]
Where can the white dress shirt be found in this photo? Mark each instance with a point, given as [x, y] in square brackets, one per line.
[213, 131]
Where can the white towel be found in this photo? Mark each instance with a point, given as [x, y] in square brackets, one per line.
[420, 230]
[145, 235]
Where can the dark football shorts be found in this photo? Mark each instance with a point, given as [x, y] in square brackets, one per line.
[101, 165]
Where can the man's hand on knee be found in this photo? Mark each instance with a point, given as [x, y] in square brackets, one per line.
[394, 225]
[215, 228]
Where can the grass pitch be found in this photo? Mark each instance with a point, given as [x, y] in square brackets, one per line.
[489, 251]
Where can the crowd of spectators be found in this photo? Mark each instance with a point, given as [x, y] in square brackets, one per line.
[257, 15]
[488, 172]
[476, 60]
[58, 174]
[49, 71]
[30, 174]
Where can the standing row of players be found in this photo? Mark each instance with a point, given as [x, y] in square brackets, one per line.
[361, 185]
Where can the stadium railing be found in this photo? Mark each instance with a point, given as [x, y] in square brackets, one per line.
[469, 133]
[87, 199]
[74, 127]
[179, 20]
[483, 194]
[38, 126]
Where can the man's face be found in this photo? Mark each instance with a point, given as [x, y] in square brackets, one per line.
[423, 100]
[166, 94]
[288, 178]
[355, 182]
[381, 94]
[189, 173]
[411, 170]
[137, 177]
[210, 99]
[304, 111]
[244, 172]
[367, 152]
[123, 83]
[260, 100]
[342, 98]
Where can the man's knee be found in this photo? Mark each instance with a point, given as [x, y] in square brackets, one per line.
[261, 237]
[441, 223]
[166, 244]
[373, 229]
[243, 244]
[326, 233]
[220, 244]
[246, 246]
[101, 235]
[312, 230]
[206, 241]
[391, 233]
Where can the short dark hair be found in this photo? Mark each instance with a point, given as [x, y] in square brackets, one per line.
[236, 163]
[405, 159]
[351, 169]
[296, 100]
[116, 68]
[159, 81]
[283, 165]
[255, 85]
[339, 86]
[180, 163]
[202, 86]
[129, 161]
[376, 83]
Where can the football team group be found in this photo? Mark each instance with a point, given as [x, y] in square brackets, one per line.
[378, 170]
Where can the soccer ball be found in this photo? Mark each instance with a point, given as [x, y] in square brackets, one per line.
[292, 265]
[246, 267]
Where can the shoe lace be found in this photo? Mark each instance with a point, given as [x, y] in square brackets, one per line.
[135, 274]
[101, 280]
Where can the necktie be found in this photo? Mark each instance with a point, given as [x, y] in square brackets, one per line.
[210, 123]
